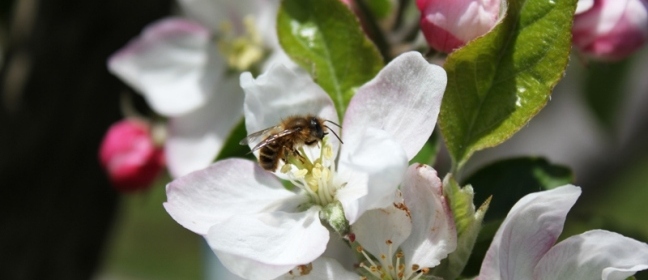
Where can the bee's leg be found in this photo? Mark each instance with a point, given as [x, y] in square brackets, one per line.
[299, 155]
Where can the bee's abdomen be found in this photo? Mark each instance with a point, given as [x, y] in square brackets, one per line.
[269, 156]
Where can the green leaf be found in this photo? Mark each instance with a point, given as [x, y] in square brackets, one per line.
[498, 82]
[232, 148]
[511, 179]
[468, 223]
[324, 37]
[604, 90]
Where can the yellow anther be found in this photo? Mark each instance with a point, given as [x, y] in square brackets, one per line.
[242, 51]
[300, 173]
[328, 152]
[317, 171]
[286, 168]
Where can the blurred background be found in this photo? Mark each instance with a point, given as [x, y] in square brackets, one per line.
[62, 220]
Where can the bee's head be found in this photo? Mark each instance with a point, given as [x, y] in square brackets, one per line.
[316, 127]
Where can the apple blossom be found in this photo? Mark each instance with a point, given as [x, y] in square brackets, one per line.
[412, 235]
[610, 29]
[130, 156]
[259, 229]
[524, 245]
[449, 24]
[183, 69]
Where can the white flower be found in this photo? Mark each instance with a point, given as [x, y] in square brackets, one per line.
[258, 228]
[179, 65]
[412, 235]
[524, 245]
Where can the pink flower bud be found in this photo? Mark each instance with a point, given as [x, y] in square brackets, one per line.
[130, 157]
[450, 24]
[611, 29]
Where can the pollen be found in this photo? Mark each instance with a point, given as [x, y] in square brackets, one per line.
[242, 48]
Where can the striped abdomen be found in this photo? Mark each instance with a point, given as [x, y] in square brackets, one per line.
[270, 154]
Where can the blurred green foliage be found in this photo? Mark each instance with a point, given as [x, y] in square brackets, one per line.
[147, 243]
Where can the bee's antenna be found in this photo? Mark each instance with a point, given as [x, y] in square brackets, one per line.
[334, 124]
[338, 137]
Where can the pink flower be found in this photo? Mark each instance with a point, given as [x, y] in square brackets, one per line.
[130, 157]
[450, 24]
[611, 29]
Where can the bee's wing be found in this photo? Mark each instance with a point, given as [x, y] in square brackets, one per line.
[274, 137]
[256, 136]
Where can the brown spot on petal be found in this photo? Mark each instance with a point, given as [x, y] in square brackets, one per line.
[305, 269]
[403, 207]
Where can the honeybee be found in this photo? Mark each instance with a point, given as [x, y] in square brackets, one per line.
[287, 137]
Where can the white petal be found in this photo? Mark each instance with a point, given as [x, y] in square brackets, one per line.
[373, 165]
[596, 254]
[213, 13]
[173, 63]
[381, 231]
[228, 187]
[280, 93]
[434, 235]
[323, 269]
[528, 232]
[195, 139]
[338, 248]
[269, 244]
[404, 99]
[584, 5]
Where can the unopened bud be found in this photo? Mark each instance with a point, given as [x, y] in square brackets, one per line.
[130, 157]
[450, 24]
[611, 29]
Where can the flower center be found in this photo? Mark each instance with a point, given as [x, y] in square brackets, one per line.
[241, 49]
[390, 266]
[315, 174]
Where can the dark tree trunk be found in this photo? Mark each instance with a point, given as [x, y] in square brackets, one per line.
[57, 100]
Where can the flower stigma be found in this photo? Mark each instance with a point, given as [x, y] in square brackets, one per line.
[390, 266]
[314, 174]
[242, 48]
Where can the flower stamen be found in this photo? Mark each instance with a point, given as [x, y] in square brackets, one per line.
[244, 48]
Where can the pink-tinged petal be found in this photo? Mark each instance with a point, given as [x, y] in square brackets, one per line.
[195, 139]
[439, 38]
[403, 99]
[381, 231]
[228, 187]
[596, 254]
[269, 244]
[173, 63]
[584, 5]
[374, 165]
[322, 269]
[528, 232]
[461, 20]
[611, 30]
[280, 93]
[433, 235]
